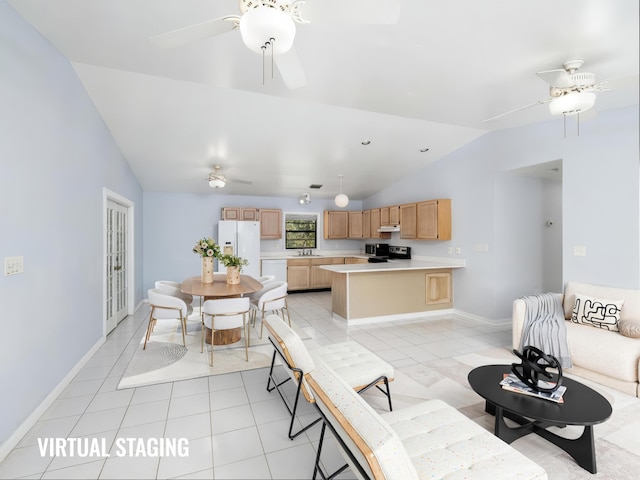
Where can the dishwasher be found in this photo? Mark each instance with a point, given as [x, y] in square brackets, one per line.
[276, 267]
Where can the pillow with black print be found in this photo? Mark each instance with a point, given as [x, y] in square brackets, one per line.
[597, 312]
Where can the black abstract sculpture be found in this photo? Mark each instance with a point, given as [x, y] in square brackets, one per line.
[534, 365]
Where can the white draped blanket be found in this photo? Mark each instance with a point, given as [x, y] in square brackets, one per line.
[544, 326]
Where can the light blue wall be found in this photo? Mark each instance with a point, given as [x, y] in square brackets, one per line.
[56, 155]
[600, 207]
[173, 222]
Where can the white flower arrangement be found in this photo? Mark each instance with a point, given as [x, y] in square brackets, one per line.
[207, 247]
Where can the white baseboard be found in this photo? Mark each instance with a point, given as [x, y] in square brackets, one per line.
[25, 426]
[399, 316]
[478, 318]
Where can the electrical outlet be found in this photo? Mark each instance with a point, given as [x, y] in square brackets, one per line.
[13, 265]
[450, 250]
[458, 250]
[579, 251]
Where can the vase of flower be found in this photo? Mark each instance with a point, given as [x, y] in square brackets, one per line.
[207, 270]
[234, 266]
[208, 249]
[233, 275]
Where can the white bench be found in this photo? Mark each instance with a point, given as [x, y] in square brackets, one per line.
[359, 368]
[427, 440]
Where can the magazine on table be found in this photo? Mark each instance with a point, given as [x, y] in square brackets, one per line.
[513, 384]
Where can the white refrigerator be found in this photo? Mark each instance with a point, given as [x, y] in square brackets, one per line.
[244, 238]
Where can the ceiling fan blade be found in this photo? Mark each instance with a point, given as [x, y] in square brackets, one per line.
[290, 68]
[617, 83]
[246, 182]
[556, 78]
[199, 31]
[351, 11]
[539, 102]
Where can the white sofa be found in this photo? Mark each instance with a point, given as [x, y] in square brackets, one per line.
[606, 357]
[426, 440]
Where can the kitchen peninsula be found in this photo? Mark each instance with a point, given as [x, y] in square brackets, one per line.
[397, 289]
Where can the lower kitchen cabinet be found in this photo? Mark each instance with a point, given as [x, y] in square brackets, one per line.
[438, 288]
[305, 273]
[298, 274]
[322, 278]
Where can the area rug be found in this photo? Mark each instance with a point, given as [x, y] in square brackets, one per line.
[617, 441]
[166, 360]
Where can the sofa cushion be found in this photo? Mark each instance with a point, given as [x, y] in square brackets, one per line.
[597, 312]
[629, 329]
[609, 354]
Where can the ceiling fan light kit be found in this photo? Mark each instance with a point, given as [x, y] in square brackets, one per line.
[572, 103]
[304, 199]
[341, 199]
[264, 26]
[216, 182]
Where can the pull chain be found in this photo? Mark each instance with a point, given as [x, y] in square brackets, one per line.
[272, 40]
[263, 47]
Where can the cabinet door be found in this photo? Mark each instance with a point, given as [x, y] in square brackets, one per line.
[320, 278]
[249, 214]
[336, 224]
[438, 288]
[355, 225]
[231, 213]
[384, 217]
[394, 215]
[375, 223]
[408, 228]
[434, 219]
[366, 224]
[270, 224]
[298, 274]
[355, 260]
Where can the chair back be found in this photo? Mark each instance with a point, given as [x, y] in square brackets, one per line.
[266, 278]
[266, 286]
[292, 348]
[225, 313]
[274, 298]
[173, 288]
[166, 306]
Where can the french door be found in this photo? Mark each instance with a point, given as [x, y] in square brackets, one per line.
[116, 264]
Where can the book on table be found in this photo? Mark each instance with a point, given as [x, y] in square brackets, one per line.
[513, 384]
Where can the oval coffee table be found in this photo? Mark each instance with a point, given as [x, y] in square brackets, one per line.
[582, 406]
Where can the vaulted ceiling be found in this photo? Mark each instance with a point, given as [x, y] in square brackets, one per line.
[427, 78]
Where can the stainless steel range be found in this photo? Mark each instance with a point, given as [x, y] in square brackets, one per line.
[395, 252]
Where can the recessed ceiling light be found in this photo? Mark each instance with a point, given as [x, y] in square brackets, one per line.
[365, 142]
[423, 150]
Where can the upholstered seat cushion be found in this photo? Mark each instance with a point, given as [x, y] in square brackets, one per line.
[354, 363]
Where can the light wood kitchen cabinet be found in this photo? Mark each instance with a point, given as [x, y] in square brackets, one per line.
[336, 224]
[438, 288]
[231, 213]
[394, 215]
[384, 217]
[366, 224]
[355, 260]
[434, 220]
[270, 224]
[408, 221]
[375, 223]
[249, 214]
[355, 224]
[322, 278]
[298, 274]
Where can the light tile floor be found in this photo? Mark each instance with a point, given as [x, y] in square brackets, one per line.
[235, 428]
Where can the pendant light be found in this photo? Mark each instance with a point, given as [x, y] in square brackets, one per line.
[341, 199]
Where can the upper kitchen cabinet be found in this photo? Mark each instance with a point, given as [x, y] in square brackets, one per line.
[434, 220]
[366, 224]
[375, 223]
[336, 224]
[408, 221]
[240, 214]
[394, 215]
[384, 217]
[270, 224]
[355, 225]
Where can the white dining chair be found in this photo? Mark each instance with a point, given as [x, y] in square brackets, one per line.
[170, 287]
[165, 307]
[226, 314]
[274, 300]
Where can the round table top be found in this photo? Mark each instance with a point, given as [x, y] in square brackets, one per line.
[582, 405]
[219, 287]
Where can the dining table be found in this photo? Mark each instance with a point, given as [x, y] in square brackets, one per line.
[216, 290]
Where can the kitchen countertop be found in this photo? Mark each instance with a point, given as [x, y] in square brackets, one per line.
[287, 256]
[396, 265]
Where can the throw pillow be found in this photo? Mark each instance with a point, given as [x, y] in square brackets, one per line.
[597, 312]
[629, 328]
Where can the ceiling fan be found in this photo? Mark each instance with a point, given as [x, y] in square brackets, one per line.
[219, 180]
[570, 92]
[269, 27]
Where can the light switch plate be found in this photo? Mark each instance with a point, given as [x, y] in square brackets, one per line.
[13, 265]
